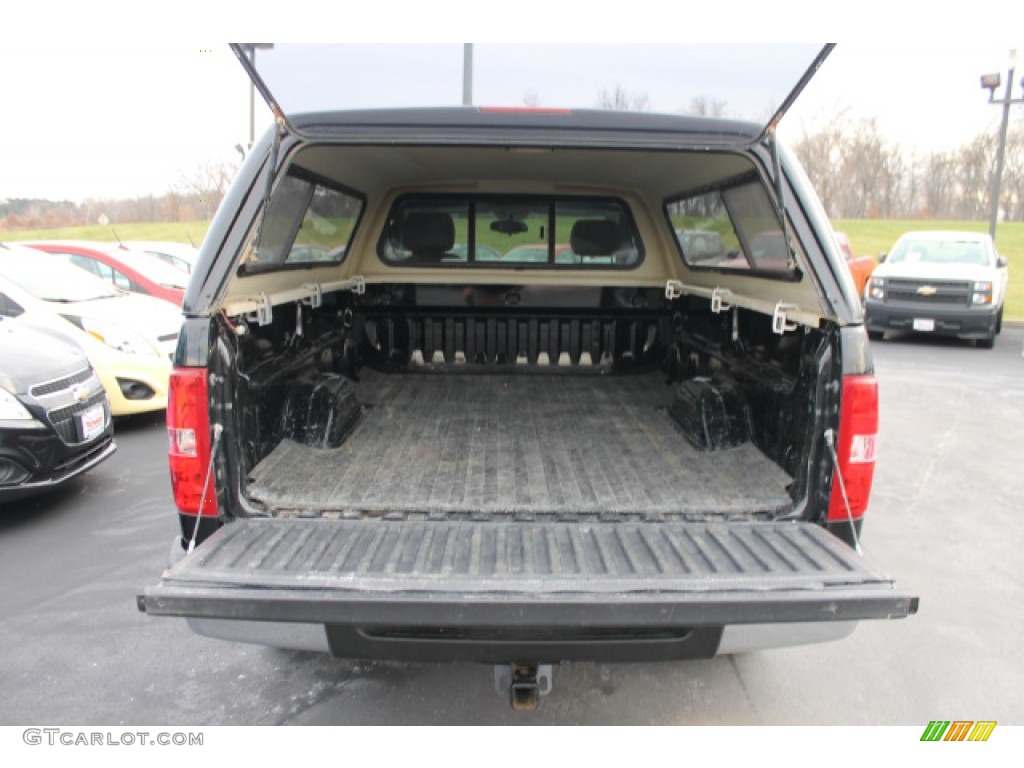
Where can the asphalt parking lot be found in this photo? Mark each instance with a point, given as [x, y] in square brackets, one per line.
[945, 521]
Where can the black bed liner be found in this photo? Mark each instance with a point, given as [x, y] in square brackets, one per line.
[524, 573]
[514, 443]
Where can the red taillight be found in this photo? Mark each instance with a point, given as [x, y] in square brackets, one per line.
[855, 448]
[188, 434]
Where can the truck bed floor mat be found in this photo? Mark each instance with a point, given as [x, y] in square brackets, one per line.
[518, 444]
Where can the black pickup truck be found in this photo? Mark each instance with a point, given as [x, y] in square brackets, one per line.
[450, 387]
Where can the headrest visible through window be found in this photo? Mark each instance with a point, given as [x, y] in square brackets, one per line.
[595, 237]
[428, 234]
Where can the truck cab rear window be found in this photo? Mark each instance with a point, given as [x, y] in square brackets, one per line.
[510, 232]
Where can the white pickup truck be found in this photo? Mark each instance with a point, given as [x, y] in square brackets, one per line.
[941, 283]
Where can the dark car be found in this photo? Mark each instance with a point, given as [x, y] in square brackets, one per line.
[54, 416]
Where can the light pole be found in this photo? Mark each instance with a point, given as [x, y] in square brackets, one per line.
[467, 74]
[991, 82]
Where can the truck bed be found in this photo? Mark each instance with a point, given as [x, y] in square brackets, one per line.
[507, 443]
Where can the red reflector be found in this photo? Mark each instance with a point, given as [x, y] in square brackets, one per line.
[188, 435]
[855, 449]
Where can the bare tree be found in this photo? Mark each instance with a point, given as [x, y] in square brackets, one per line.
[707, 106]
[821, 153]
[972, 186]
[206, 186]
[871, 170]
[621, 100]
[860, 174]
[1012, 191]
[531, 99]
[940, 176]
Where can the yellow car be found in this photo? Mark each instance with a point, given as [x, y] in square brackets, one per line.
[128, 338]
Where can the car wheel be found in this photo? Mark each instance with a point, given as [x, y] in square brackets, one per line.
[987, 343]
[876, 335]
[999, 321]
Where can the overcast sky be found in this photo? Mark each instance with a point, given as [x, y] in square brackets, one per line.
[111, 115]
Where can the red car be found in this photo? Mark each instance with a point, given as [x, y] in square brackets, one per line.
[131, 270]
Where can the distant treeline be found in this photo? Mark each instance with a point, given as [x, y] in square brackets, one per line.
[860, 175]
[194, 198]
[857, 172]
[24, 214]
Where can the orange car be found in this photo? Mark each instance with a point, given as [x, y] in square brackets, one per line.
[860, 266]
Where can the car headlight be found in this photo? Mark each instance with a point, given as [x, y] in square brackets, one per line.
[875, 288]
[115, 336]
[11, 409]
[982, 294]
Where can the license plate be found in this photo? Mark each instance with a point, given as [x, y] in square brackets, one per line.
[91, 422]
[922, 324]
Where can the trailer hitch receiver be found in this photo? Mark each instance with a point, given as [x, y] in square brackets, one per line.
[523, 683]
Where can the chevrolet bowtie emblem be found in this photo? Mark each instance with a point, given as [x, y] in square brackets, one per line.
[927, 290]
[81, 393]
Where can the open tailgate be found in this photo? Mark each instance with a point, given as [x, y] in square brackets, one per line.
[524, 573]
